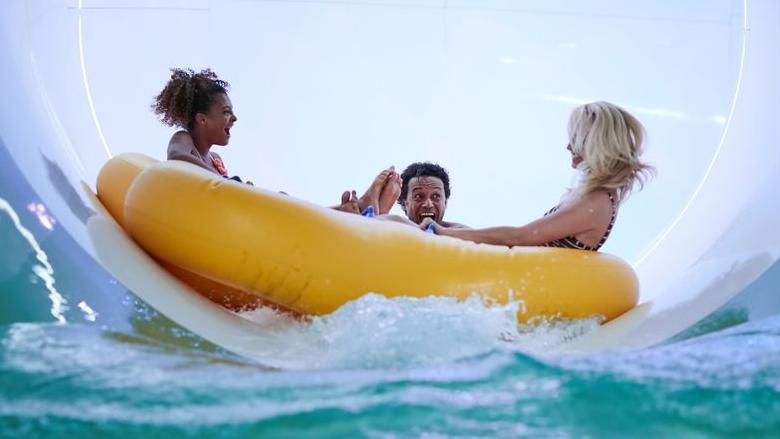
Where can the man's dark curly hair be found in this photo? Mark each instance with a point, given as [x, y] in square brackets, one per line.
[186, 94]
[423, 169]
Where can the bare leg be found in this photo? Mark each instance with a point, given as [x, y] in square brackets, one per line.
[390, 192]
[372, 195]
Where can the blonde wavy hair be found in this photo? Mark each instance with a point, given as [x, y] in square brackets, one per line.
[610, 142]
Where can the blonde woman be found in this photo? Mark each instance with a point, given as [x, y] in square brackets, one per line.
[605, 143]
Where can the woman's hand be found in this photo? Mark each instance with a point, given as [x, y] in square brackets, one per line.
[437, 228]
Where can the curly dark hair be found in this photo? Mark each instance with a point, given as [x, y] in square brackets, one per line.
[423, 169]
[186, 94]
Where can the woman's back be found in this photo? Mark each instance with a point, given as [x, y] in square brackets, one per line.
[599, 210]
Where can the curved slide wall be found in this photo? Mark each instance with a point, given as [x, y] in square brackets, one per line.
[334, 91]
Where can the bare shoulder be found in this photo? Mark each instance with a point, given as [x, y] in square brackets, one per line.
[181, 139]
[180, 145]
[598, 198]
[597, 203]
[181, 134]
[592, 208]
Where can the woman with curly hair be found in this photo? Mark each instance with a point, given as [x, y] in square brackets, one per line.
[605, 143]
[198, 103]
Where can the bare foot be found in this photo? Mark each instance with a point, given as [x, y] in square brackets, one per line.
[390, 192]
[372, 195]
[349, 203]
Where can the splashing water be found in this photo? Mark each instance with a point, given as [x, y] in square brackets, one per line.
[68, 380]
[375, 332]
[377, 367]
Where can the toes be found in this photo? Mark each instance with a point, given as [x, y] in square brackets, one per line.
[386, 174]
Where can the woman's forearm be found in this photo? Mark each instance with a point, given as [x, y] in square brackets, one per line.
[509, 236]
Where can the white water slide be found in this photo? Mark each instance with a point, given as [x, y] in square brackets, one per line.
[329, 92]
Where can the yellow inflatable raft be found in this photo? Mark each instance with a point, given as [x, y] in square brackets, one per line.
[241, 246]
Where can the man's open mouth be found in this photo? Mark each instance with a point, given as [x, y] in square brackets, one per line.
[428, 215]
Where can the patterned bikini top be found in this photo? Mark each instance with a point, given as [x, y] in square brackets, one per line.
[572, 242]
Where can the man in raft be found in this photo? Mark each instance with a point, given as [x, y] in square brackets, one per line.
[425, 190]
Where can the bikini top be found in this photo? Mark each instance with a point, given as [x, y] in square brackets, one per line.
[572, 242]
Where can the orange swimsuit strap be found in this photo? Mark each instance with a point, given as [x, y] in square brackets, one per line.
[219, 165]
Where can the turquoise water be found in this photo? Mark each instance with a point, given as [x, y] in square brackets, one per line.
[80, 356]
[81, 380]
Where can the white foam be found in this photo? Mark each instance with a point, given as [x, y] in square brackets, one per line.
[377, 332]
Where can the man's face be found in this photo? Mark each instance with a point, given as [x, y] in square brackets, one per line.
[425, 199]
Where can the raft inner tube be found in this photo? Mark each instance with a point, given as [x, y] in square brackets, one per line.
[243, 246]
